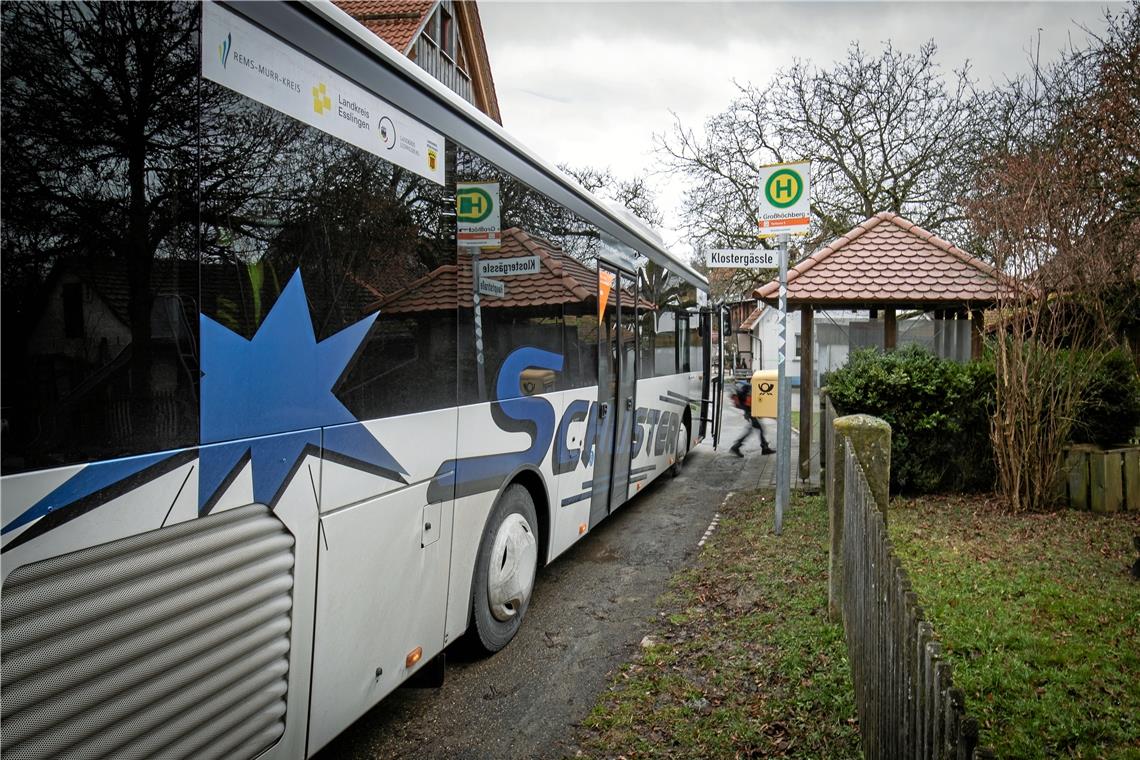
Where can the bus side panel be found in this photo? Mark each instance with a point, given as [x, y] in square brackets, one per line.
[101, 515]
[297, 509]
[31, 502]
[385, 551]
[417, 444]
[573, 461]
[661, 403]
[480, 435]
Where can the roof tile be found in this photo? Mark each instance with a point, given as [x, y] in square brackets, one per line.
[394, 21]
[887, 259]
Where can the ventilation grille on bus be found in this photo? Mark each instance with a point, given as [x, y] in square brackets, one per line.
[170, 644]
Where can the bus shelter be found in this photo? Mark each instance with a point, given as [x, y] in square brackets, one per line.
[884, 265]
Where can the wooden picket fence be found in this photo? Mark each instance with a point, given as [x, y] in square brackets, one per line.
[1103, 480]
[904, 695]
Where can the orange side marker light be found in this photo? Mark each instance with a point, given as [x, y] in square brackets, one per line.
[413, 657]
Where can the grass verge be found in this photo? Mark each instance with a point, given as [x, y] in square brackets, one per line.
[1040, 617]
[742, 661]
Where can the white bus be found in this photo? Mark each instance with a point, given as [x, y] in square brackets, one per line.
[272, 439]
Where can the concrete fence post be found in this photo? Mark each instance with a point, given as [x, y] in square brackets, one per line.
[870, 439]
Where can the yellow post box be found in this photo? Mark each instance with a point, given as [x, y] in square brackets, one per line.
[764, 389]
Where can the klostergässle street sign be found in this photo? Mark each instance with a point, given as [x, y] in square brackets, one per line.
[784, 199]
[743, 258]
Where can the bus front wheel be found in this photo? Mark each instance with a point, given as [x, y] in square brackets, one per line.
[505, 569]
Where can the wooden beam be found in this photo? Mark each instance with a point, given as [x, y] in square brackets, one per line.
[807, 397]
[977, 327]
[890, 329]
[470, 29]
[939, 332]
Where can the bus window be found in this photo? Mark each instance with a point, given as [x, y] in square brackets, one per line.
[548, 304]
[100, 293]
[367, 239]
[696, 345]
[665, 352]
[647, 340]
[684, 354]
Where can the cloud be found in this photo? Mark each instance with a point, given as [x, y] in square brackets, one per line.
[591, 83]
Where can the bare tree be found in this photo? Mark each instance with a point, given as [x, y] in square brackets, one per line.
[1058, 205]
[891, 132]
[633, 194]
[638, 198]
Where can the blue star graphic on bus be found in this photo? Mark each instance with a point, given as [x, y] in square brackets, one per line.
[255, 391]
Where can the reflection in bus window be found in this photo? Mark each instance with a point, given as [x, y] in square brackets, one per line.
[360, 231]
[100, 284]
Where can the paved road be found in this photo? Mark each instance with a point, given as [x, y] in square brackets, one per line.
[590, 609]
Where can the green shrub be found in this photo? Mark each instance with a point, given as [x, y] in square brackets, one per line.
[1109, 409]
[939, 412]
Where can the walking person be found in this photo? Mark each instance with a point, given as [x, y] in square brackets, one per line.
[742, 399]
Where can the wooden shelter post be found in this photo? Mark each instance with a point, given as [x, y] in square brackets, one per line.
[939, 333]
[807, 388]
[890, 329]
[977, 325]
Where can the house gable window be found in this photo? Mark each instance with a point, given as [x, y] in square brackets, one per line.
[446, 38]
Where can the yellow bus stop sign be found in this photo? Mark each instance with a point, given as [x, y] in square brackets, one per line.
[784, 199]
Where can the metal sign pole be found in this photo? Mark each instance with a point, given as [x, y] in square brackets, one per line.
[784, 401]
[783, 208]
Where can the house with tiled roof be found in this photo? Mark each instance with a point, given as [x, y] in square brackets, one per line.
[442, 37]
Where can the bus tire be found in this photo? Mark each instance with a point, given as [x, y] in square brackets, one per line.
[505, 569]
[682, 451]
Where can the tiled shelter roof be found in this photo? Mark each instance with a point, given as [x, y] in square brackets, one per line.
[887, 261]
[395, 21]
[562, 279]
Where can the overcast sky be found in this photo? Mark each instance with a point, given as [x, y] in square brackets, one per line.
[591, 83]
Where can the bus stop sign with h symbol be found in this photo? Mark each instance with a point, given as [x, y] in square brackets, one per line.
[784, 196]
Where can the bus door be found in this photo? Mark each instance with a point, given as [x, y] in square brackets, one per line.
[617, 356]
[714, 322]
[724, 329]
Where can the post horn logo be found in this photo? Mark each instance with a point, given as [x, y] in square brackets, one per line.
[224, 50]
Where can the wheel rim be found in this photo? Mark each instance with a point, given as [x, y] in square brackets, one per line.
[510, 577]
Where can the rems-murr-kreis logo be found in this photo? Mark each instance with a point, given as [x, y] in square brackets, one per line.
[224, 50]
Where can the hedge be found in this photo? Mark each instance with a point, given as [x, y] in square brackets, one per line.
[939, 412]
